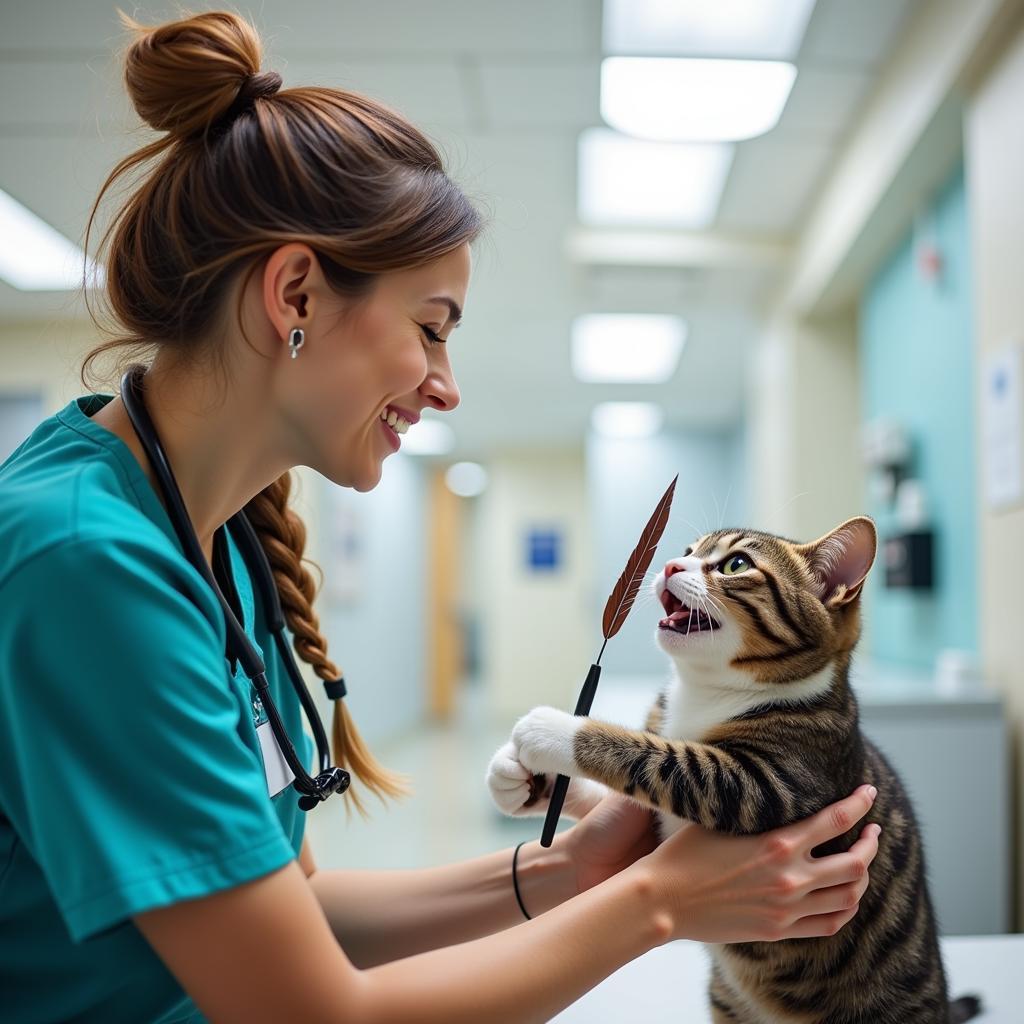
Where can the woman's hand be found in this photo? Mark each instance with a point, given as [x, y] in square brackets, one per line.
[610, 837]
[720, 888]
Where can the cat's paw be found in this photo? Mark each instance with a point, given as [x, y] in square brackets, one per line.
[514, 788]
[543, 741]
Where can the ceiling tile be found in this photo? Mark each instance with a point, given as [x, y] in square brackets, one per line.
[432, 29]
[62, 95]
[428, 92]
[59, 178]
[58, 26]
[355, 27]
[541, 94]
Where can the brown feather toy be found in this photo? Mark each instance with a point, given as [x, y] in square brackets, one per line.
[617, 607]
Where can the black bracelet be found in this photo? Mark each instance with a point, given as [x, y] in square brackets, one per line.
[515, 881]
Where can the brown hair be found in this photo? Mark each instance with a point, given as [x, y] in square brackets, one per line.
[242, 169]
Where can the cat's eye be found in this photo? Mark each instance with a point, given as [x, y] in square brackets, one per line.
[736, 564]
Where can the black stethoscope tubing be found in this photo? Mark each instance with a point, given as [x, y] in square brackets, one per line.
[330, 779]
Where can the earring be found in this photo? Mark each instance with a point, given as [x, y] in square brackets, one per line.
[296, 340]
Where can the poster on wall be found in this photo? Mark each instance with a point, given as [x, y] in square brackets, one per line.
[345, 545]
[544, 549]
[1002, 424]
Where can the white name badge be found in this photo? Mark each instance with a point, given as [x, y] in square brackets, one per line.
[279, 775]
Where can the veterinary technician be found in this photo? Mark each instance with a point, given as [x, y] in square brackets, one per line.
[284, 272]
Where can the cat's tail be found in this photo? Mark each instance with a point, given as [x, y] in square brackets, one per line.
[964, 1008]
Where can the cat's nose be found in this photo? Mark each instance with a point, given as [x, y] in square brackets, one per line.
[671, 568]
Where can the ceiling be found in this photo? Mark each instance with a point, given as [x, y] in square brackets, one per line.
[505, 90]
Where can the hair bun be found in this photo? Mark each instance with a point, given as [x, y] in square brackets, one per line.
[255, 87]
[185, 76]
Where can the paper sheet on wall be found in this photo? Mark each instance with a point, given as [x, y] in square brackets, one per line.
[1001, 399]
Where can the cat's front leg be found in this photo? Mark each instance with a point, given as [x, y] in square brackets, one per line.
[543, 740]
[519, 792]
[727, 787]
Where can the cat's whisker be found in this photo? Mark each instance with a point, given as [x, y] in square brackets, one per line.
[725, 507]
[697, 532]
[716, 606]
[704, 516]
[711, 621]
[802, 494]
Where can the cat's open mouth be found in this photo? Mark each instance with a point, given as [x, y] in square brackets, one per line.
[682, 619]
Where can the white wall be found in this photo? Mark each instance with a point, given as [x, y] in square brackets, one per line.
[995, 170]
[803, 426]
[537, 636]
[377, 637]
[44, 357]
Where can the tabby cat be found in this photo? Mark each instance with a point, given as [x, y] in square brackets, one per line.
[758, 727]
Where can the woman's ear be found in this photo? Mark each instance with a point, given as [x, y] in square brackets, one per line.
[840, 560]
[293, 285]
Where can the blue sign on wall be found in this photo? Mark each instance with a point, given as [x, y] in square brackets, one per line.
[543, 550]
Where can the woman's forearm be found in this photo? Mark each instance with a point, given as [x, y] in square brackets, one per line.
[527, 973]
[379, 916]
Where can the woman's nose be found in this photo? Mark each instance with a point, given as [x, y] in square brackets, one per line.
[441, 390]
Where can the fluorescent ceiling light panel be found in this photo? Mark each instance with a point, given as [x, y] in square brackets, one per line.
[466, 479]
[35, 256]
[765, 29]
[627, 419]
[679, 99]
[428, 437]
[625, 181]
[626, 347]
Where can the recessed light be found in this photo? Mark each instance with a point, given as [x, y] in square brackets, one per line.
[627, 419]
[626, 347]
[36, 257]
[677, 100]
[766, 29]
[668, 184]
[466, 479]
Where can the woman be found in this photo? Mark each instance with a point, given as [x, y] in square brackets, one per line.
[295, 261]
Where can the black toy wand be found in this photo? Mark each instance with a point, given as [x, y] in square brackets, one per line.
[615, 611]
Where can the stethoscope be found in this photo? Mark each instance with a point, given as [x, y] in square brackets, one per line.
[331, 778]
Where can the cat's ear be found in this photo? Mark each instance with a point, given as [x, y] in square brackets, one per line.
[841, 559]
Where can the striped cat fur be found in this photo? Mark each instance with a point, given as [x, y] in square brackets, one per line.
[757, 728]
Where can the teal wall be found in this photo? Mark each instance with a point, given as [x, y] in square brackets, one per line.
[917, 366]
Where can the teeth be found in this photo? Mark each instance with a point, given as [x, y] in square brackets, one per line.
[393, 420]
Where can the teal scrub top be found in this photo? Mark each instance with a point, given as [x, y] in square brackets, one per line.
[130, 769]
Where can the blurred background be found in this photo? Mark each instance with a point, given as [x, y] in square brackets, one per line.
[773, 246]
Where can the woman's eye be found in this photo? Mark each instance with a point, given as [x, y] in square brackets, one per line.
[432, 336]
[736, 564]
